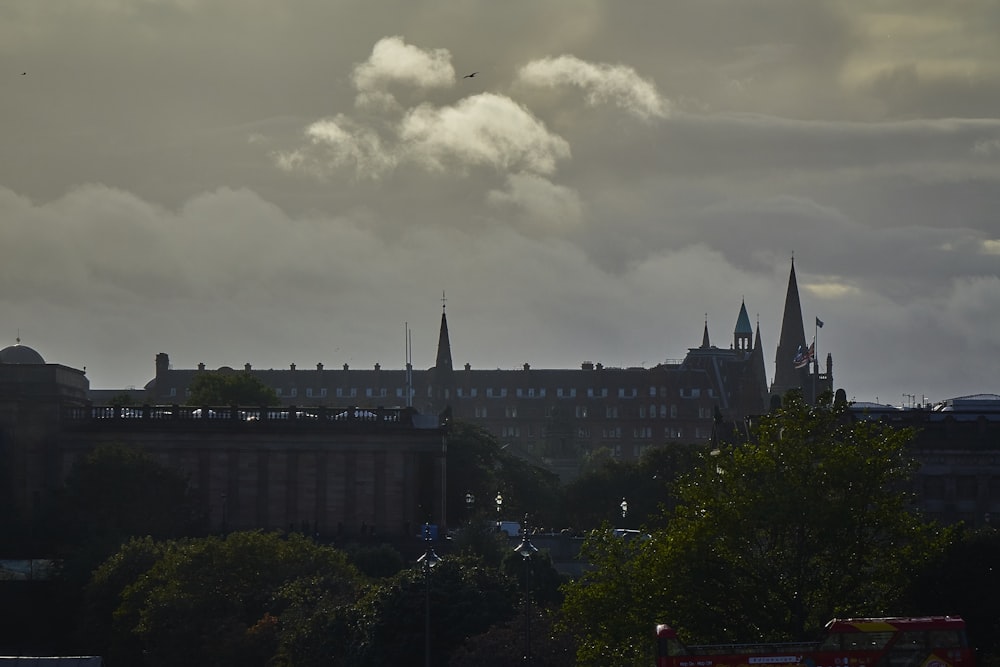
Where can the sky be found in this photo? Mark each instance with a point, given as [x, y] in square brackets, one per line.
[249, 181]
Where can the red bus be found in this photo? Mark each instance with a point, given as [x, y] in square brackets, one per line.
[927, 641]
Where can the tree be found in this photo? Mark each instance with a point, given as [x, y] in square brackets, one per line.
[112, 494]
[478, 464]
[770, 539]
[230, 388]
[215, 601]
[466, 599]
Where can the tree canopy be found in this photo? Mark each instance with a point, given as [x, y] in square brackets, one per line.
[230, 388]
[769, 540]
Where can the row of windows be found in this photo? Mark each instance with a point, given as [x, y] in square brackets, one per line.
[602, 392]
[610, 412]
[400, 392]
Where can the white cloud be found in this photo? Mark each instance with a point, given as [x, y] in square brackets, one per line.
[601, 83]
[394, 62]
[482, 130]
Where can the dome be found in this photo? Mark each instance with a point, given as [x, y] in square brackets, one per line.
[20, 354]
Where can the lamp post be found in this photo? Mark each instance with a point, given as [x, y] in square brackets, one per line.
[526, 549]
[470, 503]
[427, 561]
[499, 501]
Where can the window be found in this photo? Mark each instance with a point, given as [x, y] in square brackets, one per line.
[480, 412]
[559, 393]
[340, 392]
[673, 412]
[590, 392]
[309, 392]
[503, 392]
[277, 392]
[510, 412]
[652, 392]
[572, 393]
[489, 392]
[382, 392]
[294, 392]
[322, 392]
[541, 392]
[642, 412]
[399, 392]
[475, 392]
[173, 391]
[458, 392]
[611, 412]
[368, 392]
[581, 411]
[354, 392]
[531, 392]
[518, 392]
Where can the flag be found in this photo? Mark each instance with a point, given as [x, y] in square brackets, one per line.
[819, 323]
[803, 357]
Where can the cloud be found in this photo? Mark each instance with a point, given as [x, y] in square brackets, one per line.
[482, 130]
[618, 85]
[393, 62]
[540, 204]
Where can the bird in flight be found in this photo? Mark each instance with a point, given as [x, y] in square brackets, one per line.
[469, 76]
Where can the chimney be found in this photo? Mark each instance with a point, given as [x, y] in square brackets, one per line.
[527, 366]
[378, 367]
[201, 367]
[468, 366]
[293, 367]
[246, 367]
[319, 366]
[345, 367]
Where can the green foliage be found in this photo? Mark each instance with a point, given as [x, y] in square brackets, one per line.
[504, 643]
[647, 485]
[610, 609]
[466, 599]
[219, 601]
[101, 631]
[478, 464]
[375, 560]
[770, 539]
[230, 388]
[114, 493]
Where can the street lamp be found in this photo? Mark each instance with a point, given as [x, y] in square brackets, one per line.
[470, 502]
[526, 549]
[426, 562]
[624, 507]
[499, 501]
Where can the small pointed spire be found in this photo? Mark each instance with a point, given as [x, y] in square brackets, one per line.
[704, 337]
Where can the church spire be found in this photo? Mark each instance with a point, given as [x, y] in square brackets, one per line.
[704, 337]
[743, 333]
[443, 361]
[791, 340]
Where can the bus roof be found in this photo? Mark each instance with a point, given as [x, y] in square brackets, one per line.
[895, 623]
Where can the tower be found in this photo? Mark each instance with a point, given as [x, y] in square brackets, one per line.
[442, 375]
[743, 334]
[791, 341]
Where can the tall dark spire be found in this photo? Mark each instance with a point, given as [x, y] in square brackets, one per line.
[790, 340]
[705, 344]
[443, 361]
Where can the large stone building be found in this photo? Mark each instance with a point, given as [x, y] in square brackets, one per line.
[330, 470]
[557, 416]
